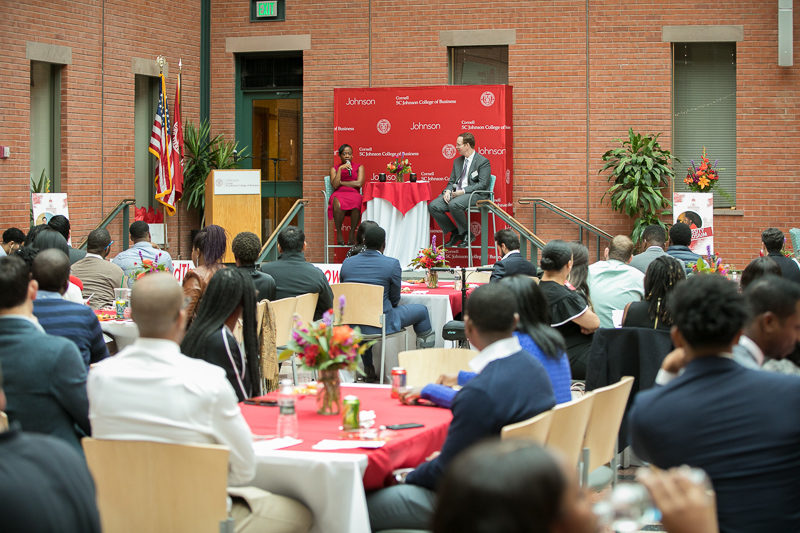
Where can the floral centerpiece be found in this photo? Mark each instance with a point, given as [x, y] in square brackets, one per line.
[708, 265]
[146, 266]
[399, 166]
[327, 346]
[704, 177]
[429, 258]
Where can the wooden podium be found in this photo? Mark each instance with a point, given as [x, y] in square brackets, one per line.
[233, 201]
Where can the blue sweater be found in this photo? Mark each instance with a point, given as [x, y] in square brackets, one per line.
[508, 390]
[75, 322]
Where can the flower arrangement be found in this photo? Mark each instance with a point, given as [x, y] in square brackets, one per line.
[709, 266]
[704, 177]
[399, 166]
[147, 266]
[430, 257]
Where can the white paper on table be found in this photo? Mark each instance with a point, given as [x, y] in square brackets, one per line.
[419, 292]
[275, 444]
[616, 317]
[330, 444]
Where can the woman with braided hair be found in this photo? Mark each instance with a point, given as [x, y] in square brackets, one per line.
[662, 275]
[230, 295]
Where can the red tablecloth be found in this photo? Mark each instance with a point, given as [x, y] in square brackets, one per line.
[445, 288]
[403, 196]
[408, 448]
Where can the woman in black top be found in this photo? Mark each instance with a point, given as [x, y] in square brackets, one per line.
[569, 312]
[662, 275]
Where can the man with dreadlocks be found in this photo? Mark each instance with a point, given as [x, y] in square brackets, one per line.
[662, 275]
[151, 391]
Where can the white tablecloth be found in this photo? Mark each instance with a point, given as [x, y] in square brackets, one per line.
[122, 332]
[405, 235]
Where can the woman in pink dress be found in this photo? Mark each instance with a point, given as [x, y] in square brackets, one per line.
[347, 180]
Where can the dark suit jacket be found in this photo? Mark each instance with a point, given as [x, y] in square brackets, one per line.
[479, 172]
[642, 261]
[374, 268]
[739, 425]
[294, 276]
[789, 268]
[265, 284]
[44, 380]
[513, 264]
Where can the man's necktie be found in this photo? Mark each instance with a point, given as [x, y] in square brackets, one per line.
[463, 173]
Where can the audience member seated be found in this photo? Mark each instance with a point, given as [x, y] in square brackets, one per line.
[576, 280]
[680, 237]
[34, 231]
[663, 274]
[570, 314]
[48, 239]
[374, 268]
[729, 420]
[151, 391]
[512, 262]
[99, 276]
[45, 485]
[359, 246]
[613, 283]
[131, 259]
[654, 238]
[773, 241]
[208, 249]
[294, 276]
[76, 322]
[61, 224]
[758, 268]
[246, 247]
[517, 486]
[12, 241]
[230, 295]
[45, 375]
[511, 387]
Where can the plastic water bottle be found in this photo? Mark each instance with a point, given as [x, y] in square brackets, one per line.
[287, 416]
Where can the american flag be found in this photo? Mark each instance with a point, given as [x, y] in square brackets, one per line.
[161, 147]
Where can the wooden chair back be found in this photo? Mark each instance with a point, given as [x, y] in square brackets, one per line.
[424, 366]
[364, 303]
[284, 319]
[306, 305]
[3, 421]
[606, 417]
[152, 486]
[568, 427]
[478, 277]
[534, 429]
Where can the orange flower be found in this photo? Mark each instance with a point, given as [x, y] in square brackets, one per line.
[341, 334]
[703, 183]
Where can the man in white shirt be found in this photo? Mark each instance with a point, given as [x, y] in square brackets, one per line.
[471, 172]
[150, 391]
[613, 283]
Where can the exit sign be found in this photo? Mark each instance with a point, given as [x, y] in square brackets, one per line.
[267, 9]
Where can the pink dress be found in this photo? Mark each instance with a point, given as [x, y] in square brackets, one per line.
[349, 198]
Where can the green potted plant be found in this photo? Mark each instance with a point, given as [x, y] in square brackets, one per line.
[640, 171]
[202, 154]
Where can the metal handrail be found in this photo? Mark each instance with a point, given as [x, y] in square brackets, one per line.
[269, 252]
[582, 224]
[124, 206]
[526, 236]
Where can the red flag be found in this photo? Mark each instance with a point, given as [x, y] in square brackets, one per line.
[177, 143]
[161, 147]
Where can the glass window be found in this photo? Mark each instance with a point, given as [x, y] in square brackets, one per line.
[479, 65]
[704, 112]
[45, 155]
[269, 72]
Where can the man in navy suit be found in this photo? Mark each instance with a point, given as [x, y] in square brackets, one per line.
[654, 237]
[374, 268]
[471, 172]
[512, 263]
[736, 423]
[773, 240]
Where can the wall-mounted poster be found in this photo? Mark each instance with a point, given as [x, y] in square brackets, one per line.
[696, 210]
[47, 205]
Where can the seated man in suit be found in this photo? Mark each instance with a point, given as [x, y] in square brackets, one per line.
[512, 263]
[293, 275]
[245, 247]
[654, 237]
[151, 391]
[374, 268]
[61, 224]
[471, 172]
[729, 420]
[45, 375]
[772, 242]
[511, 386]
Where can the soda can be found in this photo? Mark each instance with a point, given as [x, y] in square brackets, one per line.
[351, 406]
[120, 306]
[398, 380]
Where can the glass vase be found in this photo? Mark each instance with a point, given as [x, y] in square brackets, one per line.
[431, 279]
[329, 392]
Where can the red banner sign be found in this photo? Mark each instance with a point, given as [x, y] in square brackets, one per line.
[423, 123]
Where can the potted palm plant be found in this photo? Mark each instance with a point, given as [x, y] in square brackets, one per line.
[640, 171]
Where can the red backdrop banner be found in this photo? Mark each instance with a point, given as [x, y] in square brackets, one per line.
[424, 122]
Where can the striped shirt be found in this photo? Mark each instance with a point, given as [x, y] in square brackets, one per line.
[73, 321]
